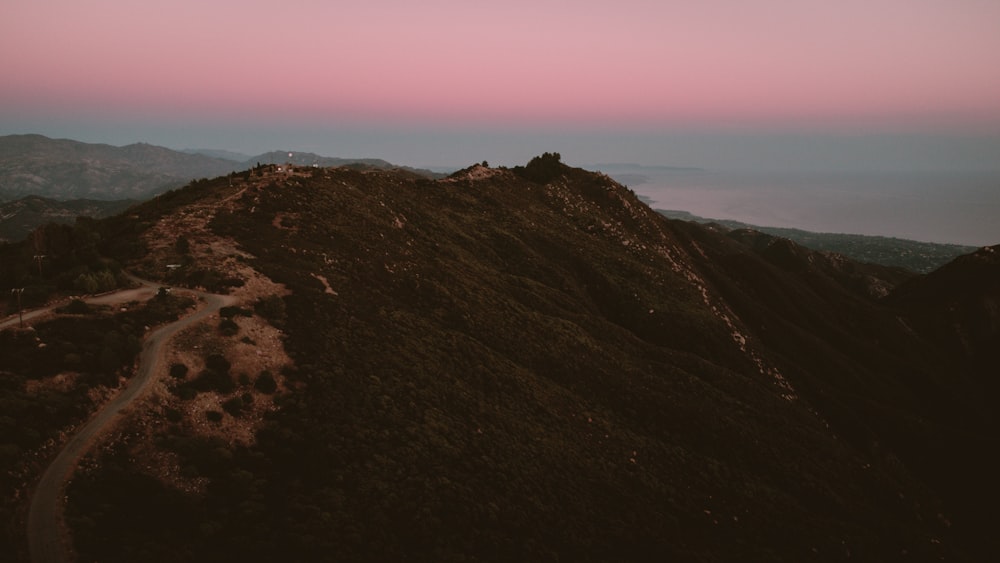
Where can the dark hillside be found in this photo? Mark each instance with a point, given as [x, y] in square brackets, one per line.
[964, 294]
[20, 217]
[956, 307]
[530, 364]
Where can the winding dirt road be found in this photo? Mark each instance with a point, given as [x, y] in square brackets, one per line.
[46, 540]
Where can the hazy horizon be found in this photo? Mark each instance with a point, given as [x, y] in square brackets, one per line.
[773, 84]
[723, 151]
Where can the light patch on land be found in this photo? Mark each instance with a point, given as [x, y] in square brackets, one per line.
[326, 284]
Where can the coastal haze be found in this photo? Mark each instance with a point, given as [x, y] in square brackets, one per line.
[929, 206]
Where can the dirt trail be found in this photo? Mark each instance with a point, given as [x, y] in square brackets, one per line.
[47, 541]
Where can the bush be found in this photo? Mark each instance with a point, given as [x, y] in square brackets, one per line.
[173, 415]
[178, 371]
[211, 380]
[217, 362]
[76, 307]
[185, 392]
[271, 308]
[265, 383]
[232, 311]
[233, 406]
[228, 327]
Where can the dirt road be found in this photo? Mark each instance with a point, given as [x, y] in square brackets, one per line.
[145, 291]
[46, 539]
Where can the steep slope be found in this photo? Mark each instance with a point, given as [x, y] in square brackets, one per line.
[957, 305]
[530, 363]
[958, 309]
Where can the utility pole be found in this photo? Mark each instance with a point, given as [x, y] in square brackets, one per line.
[20, 313]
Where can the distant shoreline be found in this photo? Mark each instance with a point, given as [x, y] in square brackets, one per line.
[941, 207]
[917, 256]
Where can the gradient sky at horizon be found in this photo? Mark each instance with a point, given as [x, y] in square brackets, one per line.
[446, 82]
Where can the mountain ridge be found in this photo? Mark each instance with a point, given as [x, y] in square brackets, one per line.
[530, 362]
[33, 164]
[67, 170]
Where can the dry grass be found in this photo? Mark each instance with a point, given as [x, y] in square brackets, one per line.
[255, 348]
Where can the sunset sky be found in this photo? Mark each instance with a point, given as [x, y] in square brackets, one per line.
[906, 83]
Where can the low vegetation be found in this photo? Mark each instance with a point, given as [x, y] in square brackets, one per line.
[529, 364]
[53, 375]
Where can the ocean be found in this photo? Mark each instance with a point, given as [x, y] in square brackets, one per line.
[941, 207]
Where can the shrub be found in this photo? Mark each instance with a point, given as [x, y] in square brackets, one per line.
[271, 308]
[185, 392]
[76, 307]
[228, 327]
[232, 311]
[212, 380]
[265, 383]
[233, 406]
[217, 362]
[178, 371]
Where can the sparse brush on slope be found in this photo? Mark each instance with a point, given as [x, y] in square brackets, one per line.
[529, 363]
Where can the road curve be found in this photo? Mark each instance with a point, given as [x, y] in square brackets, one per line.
[46, 541]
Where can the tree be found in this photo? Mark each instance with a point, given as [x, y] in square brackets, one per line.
[542, 169]
[85, 283]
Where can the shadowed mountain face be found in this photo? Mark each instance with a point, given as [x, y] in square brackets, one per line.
[529, 363]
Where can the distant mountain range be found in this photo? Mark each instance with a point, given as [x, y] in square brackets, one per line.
[64, 169]
[69, 178]
[218, 153]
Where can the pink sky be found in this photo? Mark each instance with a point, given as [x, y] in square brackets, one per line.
[633, 60]
[628, 62]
